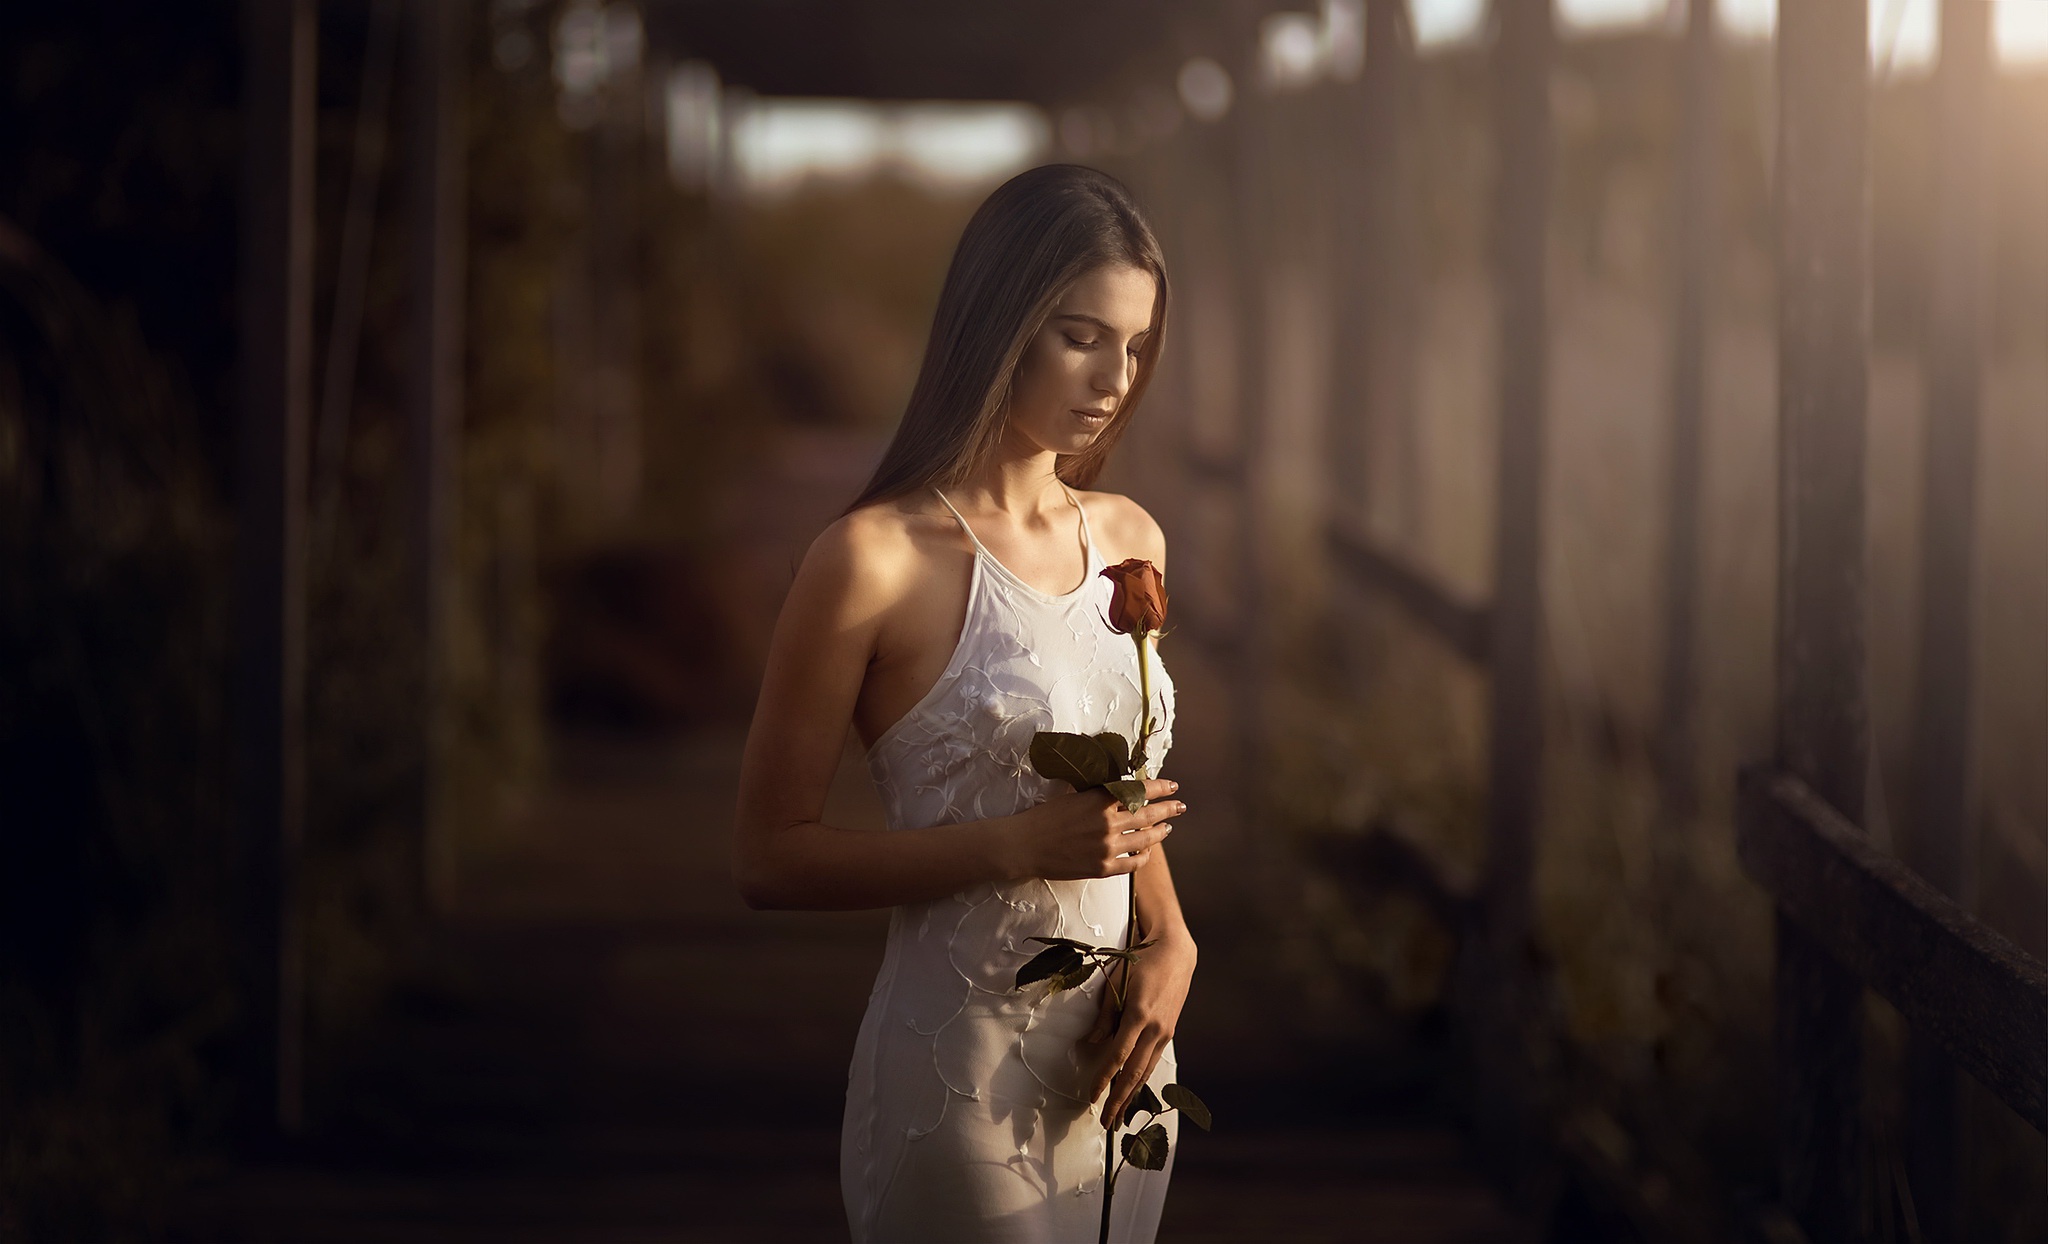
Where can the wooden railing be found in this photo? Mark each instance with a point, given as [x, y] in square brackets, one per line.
[1460, 624]
[1849, 916]
[1980, 997]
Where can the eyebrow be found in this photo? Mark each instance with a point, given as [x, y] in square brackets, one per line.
[1102, 324]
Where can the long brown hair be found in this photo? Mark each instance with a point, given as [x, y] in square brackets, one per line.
[1027, 244]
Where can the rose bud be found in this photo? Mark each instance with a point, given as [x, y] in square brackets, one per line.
[1138, 603]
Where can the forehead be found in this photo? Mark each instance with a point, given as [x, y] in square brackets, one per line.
[1116, 294]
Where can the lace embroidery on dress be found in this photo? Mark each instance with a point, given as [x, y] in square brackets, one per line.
[965, 1115]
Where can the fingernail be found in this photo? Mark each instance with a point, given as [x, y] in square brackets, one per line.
[1183, 807]
[1172, 787]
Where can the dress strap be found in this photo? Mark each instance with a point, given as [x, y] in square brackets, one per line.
[1087, 536]
[963, 522]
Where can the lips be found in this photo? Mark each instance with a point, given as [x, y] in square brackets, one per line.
[1094, 416]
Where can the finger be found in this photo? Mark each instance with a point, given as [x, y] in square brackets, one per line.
[1122, 1089]
[1137, 848]
[1152, 1058]
[1159, 788]
[1145, 834]
[1120, 1053]
[1153, 813]
[1105, 1016]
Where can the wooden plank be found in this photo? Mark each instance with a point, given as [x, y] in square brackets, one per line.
[1939, 837]
[1251, 220]
[1500, 992]
[1522, 139]
[1370, 241]
[1981, 997]
[1390, 280]
[1349, 417]
[1940, 840]
[1464, 625]
[276, 296]
[1823, 188]
[1373, 366]
[434, 397]
[1824, 332]
[1693, 250]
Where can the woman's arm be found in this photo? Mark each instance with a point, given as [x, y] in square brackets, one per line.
[1159, 914]
[1157, 990]
[785, 856]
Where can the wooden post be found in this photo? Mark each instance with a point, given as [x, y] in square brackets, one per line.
[1693, 250]
[1522, 142]
[276, 297]
[616, 157]
[1348, 432]
[1940, 839]
[434, 396]
[1250, 246]
[1168, 424]
[1389, 270]
[1822, 718]
[1373, 367]
[1210, 427]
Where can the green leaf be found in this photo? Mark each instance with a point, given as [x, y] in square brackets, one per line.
[1145, 1101]
[1129, 792]
[1183, 1099]
[1048, 964]
[1146, 1148]
[1076, 759]
[1118, 749]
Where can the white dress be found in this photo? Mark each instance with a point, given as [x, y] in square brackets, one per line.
[966, 1110]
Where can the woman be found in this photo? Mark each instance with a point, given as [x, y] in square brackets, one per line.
[940, 616]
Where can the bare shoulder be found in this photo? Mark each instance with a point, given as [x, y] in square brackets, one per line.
[869, 558]
[1123, 528]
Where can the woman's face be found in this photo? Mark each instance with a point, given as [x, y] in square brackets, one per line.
[1075, 372]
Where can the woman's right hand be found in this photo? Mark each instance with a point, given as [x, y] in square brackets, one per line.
[1087, 834]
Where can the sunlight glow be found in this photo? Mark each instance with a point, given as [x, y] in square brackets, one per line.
[2020, 29]
[1906, 29]
[1445, 21]
[779, 143]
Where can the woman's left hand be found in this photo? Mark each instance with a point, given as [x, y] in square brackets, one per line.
[1157, 989]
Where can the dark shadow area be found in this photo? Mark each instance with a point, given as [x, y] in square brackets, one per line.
[365, 859]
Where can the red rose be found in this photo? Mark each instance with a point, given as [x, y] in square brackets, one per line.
[1138, 604]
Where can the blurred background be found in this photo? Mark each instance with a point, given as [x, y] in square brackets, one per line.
[412, 413]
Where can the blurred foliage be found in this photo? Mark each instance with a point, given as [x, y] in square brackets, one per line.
[118, 413]
[807, 310]
[116, 266]
[118, 424]
[114, 990]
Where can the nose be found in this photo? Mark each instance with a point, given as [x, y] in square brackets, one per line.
[1113, 379]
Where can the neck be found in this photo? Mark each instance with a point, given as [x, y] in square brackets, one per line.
[1021, 485]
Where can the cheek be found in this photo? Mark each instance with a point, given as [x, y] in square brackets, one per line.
[1042, 374]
